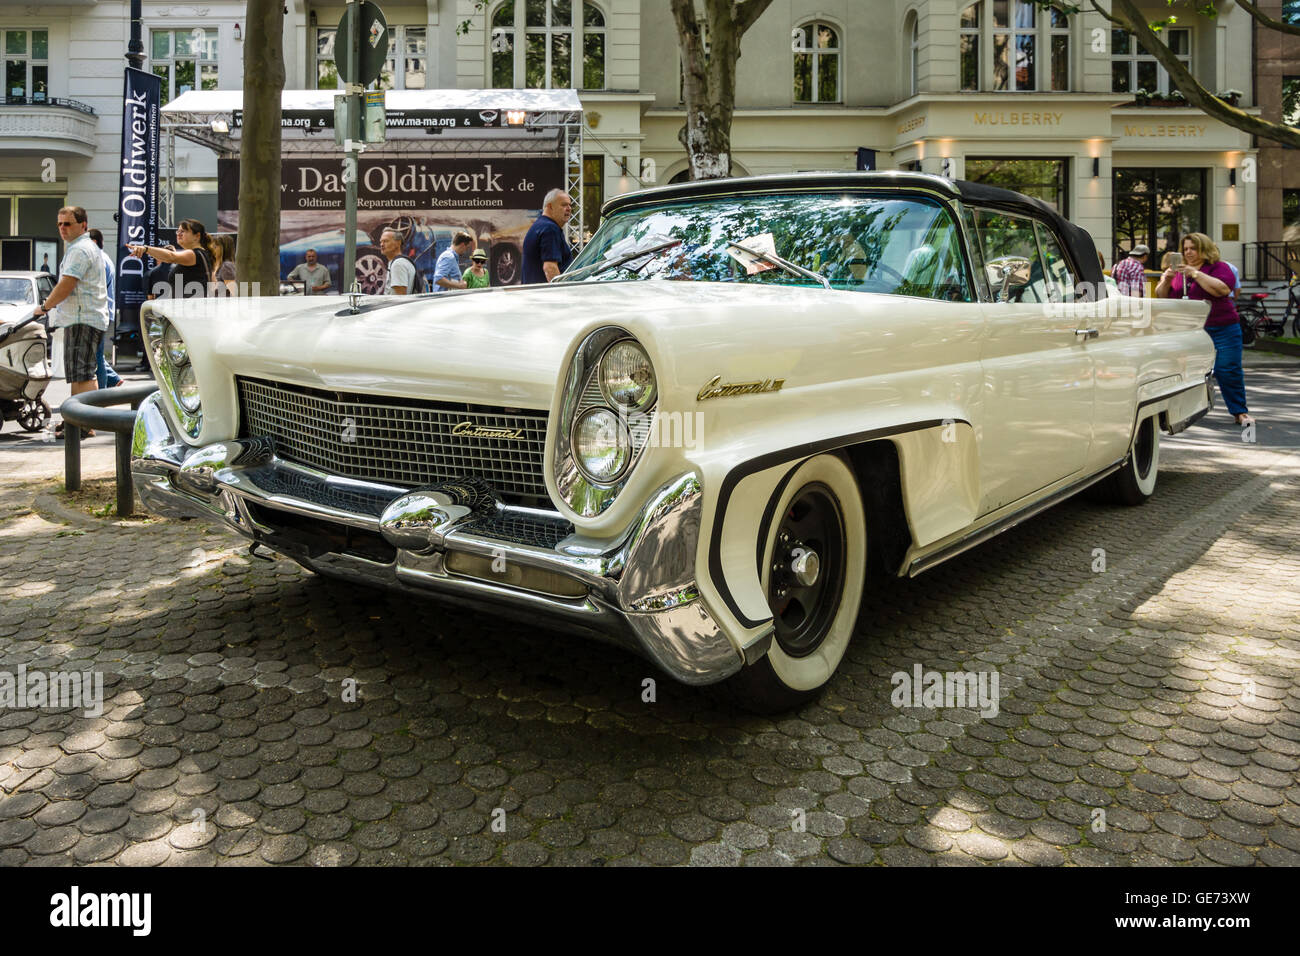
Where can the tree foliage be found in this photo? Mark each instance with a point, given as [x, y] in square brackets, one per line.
[1125, 15]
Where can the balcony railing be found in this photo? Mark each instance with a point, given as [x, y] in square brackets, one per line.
[41, 100]
[47, 126]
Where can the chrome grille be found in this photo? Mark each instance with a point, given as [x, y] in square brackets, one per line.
[405, 442]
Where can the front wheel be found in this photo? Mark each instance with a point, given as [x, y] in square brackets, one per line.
[33, 415]
[813, 571]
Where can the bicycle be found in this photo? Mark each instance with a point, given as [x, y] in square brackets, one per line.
[1256, 313]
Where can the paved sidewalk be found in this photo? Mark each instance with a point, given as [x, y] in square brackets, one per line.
[1148, 658]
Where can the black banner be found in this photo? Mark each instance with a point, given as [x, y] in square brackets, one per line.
[400, 183]
[137, 198]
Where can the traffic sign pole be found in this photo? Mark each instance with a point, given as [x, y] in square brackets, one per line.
[361, 49]
[350, 138]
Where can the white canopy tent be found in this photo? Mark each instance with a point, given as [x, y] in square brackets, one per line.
[516, 123]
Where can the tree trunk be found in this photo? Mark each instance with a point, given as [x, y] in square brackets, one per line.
[257, 255]
[709, 54]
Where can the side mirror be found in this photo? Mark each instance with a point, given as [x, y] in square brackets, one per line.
[1007, 273]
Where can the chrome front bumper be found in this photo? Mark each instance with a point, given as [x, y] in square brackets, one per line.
[457, 541]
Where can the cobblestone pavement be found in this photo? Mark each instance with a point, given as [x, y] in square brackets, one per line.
[1150, 711]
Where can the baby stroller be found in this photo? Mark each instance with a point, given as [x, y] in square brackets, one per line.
[24, 374]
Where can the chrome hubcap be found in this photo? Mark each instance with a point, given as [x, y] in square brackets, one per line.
[805, 565]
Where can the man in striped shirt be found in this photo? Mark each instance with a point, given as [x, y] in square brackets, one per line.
[1131, 275]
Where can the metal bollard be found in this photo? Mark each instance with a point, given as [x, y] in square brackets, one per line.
[93, 410]
[125, 488]
[71, 457]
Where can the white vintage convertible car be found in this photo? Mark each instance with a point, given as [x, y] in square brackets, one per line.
[743, 397]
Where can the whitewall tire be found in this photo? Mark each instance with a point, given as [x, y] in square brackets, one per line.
[1135, 482]
[813, 571]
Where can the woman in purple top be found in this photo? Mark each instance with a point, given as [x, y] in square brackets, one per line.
[1203, 275]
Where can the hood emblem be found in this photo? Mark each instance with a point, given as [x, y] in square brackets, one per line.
[716, 388]
[471, 430]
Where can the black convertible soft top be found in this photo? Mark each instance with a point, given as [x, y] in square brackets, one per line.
[1079, 245]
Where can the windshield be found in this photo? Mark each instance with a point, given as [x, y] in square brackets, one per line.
[889, 243]
[16, 290]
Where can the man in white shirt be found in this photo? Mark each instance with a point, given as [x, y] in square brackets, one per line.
[82, 299]
[401, 271]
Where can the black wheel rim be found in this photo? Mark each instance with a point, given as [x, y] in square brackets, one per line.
[803, 614]
[1144, 448]
[32, 415]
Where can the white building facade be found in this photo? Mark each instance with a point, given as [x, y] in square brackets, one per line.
[995, 90]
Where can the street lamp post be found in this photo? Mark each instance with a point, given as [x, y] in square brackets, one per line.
[135, 48]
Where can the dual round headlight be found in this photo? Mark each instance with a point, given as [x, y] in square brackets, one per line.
[187, 389]
[602, 444]
[172, 356]
[627, 379]
[174, 346]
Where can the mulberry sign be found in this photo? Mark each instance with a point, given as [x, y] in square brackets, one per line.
[1022, 118]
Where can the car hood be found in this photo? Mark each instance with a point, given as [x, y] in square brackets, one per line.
[502, 346]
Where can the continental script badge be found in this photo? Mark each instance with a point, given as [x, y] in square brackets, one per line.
[470, 430]
[716, 388]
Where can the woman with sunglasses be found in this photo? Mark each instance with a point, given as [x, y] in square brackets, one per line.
[192, 262]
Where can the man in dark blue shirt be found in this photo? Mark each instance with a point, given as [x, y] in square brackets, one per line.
[546, 251]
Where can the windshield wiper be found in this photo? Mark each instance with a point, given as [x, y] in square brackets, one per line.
[596, 268]
[786, 264]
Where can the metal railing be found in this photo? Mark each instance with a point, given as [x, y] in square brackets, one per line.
[92, 410]
[1269, 261]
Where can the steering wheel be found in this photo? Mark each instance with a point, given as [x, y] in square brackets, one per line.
[879, 265]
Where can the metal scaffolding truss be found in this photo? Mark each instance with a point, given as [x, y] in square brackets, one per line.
[546, 124]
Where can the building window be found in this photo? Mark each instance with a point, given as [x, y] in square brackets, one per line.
[184, 60]
[1017, 48]
[1044, 179]
[27, 68]
[412, 42]
[593, 47]
[593, 193]
[1291, 100]
[970, 46]
[816, 64]
[1157, 207]
[1058, 35]
[1132, 68]
[1291, 215]
[914, 55]
[548, 58]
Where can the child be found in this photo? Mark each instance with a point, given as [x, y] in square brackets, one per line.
[476, 277]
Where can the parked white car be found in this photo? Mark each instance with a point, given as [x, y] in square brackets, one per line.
[743, 398]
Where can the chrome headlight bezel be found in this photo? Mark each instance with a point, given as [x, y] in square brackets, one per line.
[589, 495]
[161, 336]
